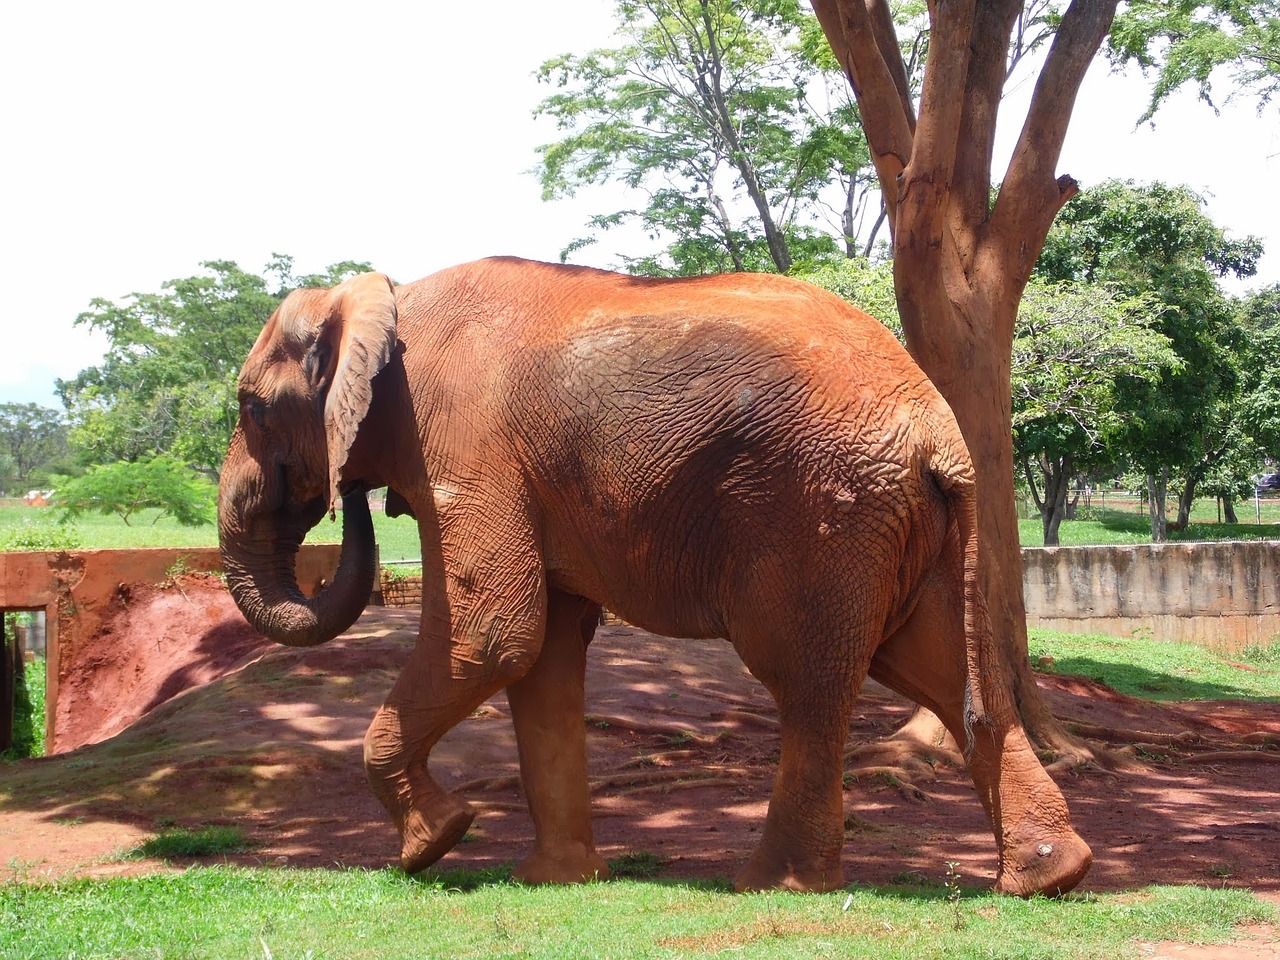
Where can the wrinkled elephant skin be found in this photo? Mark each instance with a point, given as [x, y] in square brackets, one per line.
[745, 457]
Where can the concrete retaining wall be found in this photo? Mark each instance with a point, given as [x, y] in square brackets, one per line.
[74, 588]
[1224, 596]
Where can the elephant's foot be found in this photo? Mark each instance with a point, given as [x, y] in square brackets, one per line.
[798, 872]
[429, 836]
[576, 864]
[1050, 865]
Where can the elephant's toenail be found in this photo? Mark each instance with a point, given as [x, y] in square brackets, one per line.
[1044, 849]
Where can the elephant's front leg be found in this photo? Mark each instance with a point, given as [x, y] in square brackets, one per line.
[484, 615]
[547, 706]
[430, 820]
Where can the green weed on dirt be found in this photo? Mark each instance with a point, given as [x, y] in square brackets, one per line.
[1155, 670]
[28, 710]
[201, 842]
[229, 913]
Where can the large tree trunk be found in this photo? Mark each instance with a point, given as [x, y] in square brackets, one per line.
[1186, 500]
[961, 263]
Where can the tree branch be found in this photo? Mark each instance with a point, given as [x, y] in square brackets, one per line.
[925, 185]
[886, 122]
[1031, 196]
[993, 26]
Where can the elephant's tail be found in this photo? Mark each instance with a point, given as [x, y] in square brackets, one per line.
[955, 475]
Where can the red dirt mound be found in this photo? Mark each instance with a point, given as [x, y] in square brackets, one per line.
[155, 642]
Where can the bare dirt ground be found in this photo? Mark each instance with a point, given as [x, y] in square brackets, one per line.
[206, 723]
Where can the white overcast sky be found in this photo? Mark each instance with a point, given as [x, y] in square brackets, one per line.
[142, 138]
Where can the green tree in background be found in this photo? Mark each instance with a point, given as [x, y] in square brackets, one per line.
[1260, 370]
[1072, 346]
[1188, 41]
[1156, 242]
[868, 286]
[168, 382]
[731, 119]
[123, 488]
[32, 438]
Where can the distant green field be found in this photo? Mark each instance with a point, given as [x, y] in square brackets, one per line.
[39, 527]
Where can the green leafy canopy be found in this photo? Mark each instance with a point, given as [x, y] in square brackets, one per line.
[124, 488]
[1195, 42]
[730, 119]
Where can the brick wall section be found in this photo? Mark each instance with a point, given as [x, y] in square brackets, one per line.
[1224, 596]
[398, 591]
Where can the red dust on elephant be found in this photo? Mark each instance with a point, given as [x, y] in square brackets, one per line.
[743, 457]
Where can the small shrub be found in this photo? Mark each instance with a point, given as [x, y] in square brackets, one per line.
[124, 488]
[40, 536]
[1264, 654]
[204, 842]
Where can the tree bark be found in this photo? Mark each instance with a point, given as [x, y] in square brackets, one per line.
[960, 264]
[1156, 489]
[1229, 510]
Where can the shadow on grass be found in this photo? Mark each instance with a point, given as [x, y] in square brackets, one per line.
[1139, 525]
[1146, 684]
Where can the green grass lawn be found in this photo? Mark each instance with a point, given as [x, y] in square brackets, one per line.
[1156, 670]
[227, 913]
[398, 538]
[1126, 523]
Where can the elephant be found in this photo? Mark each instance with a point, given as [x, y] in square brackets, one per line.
[743, 457]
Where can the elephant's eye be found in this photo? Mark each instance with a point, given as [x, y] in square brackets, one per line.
[256, 411]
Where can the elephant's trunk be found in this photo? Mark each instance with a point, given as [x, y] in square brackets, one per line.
[265, 584]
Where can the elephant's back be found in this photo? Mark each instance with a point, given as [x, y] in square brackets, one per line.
[536, 301]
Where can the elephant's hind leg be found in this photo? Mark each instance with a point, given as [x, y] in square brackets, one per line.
[547, 706]
[803, 837]
[925, 660]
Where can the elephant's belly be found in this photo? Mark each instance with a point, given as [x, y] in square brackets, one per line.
[638, 600]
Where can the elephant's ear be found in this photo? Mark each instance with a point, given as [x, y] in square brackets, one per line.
[362, 324]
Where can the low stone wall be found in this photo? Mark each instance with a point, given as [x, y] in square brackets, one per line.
[1224, 596]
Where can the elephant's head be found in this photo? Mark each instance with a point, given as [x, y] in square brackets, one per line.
[305, 387]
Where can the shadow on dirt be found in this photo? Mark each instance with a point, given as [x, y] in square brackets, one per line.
[683, 746]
